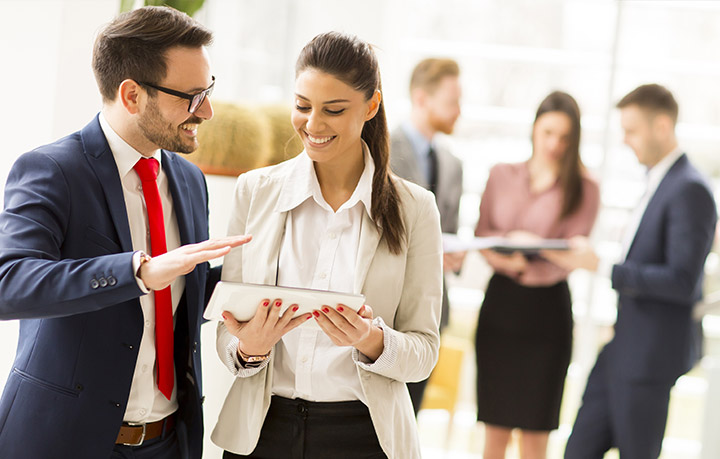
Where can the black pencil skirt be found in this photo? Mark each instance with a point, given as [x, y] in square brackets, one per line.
[299, 429]
[523, 345]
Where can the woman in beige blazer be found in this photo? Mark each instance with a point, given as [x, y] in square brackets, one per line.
[332, 383]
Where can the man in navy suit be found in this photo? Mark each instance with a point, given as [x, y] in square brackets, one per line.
[658, 282]
[73, 267]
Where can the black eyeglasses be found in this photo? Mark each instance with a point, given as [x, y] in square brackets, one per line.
[196, 100]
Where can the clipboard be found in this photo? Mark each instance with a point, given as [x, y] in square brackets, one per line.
[453, 243]
[243, 299]
[533, 248]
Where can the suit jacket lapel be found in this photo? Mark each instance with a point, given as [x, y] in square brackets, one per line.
[657, 199]
[181, 197]
[103, 163]
[369, 239]
[260, 258]
[407, 165]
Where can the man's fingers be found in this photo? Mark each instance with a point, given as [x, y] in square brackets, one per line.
[217, 243]
[207, 255]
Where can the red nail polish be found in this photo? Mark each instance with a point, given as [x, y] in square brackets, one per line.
[316, 314]
[277, 303]
[265, 303]
[308, 317]
[340, 308]
[224, 317]
[295, 308]
[325, 310]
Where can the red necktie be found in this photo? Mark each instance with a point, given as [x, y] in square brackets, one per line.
[147, 169]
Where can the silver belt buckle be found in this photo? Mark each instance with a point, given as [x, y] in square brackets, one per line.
[142, 437]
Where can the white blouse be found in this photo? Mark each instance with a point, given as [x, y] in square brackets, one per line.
[318, 251]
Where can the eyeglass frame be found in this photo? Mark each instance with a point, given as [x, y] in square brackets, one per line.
[191, 97]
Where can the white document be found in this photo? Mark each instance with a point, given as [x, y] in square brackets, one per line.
[242, 300]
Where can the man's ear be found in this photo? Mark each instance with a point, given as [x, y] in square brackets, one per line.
[130, 93]
[418, 97]
[663, 126]
[373, 105]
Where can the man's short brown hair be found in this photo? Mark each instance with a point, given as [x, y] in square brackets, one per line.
[134, 45]
[429, 72]
[652, 98]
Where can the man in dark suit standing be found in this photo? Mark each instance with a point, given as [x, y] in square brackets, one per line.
[108, 359]
[415, 156]
[658, 282]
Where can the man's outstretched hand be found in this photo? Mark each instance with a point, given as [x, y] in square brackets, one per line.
[160, 271]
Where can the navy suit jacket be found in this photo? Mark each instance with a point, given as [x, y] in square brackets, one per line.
[661, 280]
[66, 273]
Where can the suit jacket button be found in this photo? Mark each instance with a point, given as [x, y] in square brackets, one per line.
[94, 284]
[111, 281]
[103, 282]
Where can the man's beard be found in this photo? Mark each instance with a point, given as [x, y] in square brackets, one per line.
[162, 133]
[442, 125]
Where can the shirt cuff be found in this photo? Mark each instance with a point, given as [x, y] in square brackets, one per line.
[387, 358]
[136, 267]
[232, 361]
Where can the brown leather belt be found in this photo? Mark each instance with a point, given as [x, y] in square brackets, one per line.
[135, 435]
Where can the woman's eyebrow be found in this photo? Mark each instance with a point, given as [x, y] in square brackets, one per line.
[334, 101]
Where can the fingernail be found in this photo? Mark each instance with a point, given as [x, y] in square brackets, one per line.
[340, 308]
[325, 310]
[316, 314]
[224, 317]
[295, 308]
[265, 303]
[277, 303]
[308, 317]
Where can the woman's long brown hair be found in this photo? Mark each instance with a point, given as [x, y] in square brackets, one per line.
[571, 166]
[353, 62]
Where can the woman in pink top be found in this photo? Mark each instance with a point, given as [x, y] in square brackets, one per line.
[524, 334]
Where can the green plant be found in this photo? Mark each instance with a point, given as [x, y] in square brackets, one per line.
[187, 6]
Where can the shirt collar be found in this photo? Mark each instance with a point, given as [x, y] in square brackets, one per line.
[125, 156]
[656, 173]
[301, 183]
[421, 145]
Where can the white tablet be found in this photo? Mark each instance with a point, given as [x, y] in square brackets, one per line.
[242, 300]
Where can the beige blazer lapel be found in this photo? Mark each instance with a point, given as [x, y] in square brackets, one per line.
[260, 259]
[369, 239]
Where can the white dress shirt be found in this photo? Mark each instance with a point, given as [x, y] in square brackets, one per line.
[319, 251]
[655, 175]
[146, 402]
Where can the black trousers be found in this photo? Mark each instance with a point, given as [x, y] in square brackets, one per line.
[629, 415]
[299, 429]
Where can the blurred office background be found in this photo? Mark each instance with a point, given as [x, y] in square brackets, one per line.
[512, 53]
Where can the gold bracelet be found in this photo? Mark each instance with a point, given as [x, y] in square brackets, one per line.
[252, 360]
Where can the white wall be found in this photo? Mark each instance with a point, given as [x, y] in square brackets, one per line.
[47, 86]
